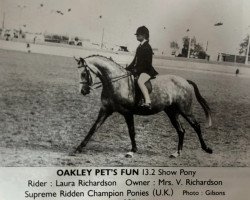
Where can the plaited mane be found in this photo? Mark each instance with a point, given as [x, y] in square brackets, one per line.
[106, 58]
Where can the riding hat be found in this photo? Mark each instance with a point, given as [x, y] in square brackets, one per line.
[142, 30]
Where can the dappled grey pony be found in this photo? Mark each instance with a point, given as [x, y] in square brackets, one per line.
[171, 94]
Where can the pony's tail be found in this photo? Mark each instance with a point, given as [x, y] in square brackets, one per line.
[202, 102]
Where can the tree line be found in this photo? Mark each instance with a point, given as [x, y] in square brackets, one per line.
[196, 49]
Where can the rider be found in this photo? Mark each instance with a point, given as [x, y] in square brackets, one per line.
[141, 66]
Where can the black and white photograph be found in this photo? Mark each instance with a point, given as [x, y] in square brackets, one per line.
[95, 83]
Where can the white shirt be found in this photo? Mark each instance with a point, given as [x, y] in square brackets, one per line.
[142, 42]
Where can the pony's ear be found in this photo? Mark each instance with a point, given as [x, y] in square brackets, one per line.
[77, 60]
[81, 60]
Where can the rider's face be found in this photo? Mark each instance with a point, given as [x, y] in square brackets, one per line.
[140, 38]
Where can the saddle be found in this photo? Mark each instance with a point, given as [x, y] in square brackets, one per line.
[139, 98]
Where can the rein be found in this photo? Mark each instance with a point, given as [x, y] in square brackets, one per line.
[112, 80]
[99, 84]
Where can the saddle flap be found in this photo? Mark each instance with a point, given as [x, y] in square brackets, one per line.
[148, 84]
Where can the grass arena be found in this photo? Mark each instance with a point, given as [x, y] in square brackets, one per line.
[43, 117]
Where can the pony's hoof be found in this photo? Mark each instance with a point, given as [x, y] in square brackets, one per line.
[129, 154]
[74, 152]
[208, 150]
[175, 155]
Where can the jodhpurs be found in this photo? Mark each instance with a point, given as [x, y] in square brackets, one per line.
[143, 78]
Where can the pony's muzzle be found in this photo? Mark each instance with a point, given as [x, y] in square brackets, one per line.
[83, 89]
[85, 92]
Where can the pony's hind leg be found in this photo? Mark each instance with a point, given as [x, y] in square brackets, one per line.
[196, 126]
[174, 118]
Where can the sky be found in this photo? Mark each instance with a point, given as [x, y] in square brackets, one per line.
[167, 20]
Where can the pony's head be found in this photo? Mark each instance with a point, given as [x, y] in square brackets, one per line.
[96, 66]
[85, 76]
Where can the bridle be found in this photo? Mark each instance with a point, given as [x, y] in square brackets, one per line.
[89, 81]
[87, 70]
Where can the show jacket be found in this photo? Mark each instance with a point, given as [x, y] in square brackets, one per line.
[142, 62]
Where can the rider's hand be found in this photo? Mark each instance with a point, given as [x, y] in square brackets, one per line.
[134, 71]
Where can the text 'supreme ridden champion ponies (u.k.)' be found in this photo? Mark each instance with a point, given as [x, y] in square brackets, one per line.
[171, 94]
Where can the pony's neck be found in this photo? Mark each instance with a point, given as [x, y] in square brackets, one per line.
[115, 78]
[105, 67]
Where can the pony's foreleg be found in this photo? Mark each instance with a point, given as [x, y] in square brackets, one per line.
[174, 118]
[130, 123]
[102, 116]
